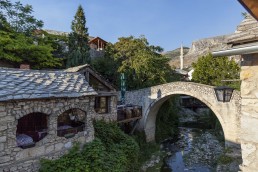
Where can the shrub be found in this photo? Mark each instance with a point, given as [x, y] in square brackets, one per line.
[111, 150]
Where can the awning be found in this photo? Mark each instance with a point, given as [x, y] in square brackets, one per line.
[238, 50]
[251, 6]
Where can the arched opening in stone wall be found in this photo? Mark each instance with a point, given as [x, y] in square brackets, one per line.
[71, 122]
[31, 128]
[197, 137]
[185, 111]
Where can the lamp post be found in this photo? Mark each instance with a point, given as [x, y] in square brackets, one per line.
[223, 93]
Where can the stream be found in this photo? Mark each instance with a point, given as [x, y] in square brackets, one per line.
[196, 151]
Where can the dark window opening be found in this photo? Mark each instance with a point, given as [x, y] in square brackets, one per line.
[31, 129]
[102, 104]
[70, 123]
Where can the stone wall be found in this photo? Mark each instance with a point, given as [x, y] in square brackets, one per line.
[13, 158]
[249, 112]
[112, 115]
[94, 54]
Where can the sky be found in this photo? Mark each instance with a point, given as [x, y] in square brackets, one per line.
[165, 23]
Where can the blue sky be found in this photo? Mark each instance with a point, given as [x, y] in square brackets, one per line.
[166, 23]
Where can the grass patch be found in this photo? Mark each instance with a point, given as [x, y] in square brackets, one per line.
[224, 159]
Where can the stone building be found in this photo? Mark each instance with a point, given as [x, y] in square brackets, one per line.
[106, 100]
[245, 43]
[42, 113]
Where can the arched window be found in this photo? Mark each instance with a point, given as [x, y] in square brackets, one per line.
[31, 129]
[71, 122]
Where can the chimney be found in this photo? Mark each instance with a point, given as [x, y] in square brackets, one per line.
[24, 66]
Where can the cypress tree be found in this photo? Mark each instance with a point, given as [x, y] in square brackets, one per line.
[79, 50]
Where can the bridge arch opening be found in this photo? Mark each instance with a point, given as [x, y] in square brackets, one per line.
[152, 111]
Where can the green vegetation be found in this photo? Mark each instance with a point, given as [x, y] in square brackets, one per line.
[210, 121]
[167, 120]
[224, 159]
[107, 66]
[18, 17]
[57, 42]
[146, 149]
[112, 150]
[18, 43]
[16, 48]
[209, 70]
[78, 41]
[142, 63]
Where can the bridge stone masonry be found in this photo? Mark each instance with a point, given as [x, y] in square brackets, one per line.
[152, 98]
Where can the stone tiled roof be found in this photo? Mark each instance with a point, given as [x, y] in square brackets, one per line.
[18, 84]
[247, 31]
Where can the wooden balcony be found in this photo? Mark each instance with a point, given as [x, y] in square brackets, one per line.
[128, 113]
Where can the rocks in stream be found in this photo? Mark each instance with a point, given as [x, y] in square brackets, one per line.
[205, 150]
[187, 115]
[152, 162]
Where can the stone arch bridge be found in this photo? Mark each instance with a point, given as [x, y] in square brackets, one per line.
[152, 98]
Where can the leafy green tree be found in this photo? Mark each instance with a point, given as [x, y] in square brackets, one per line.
[78, 41]
[142, 63]
[18, 17]
[57, 42]
[16, 48]
[107, 66]
[209, 70]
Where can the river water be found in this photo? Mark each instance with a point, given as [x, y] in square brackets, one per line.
[196, 151]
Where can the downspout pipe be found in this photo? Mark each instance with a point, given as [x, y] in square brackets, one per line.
[236, 51]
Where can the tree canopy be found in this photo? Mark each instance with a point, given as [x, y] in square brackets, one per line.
[209, 70]
[17, 48]
[78, 41]
[18, 41]
[142, 63]
[18, 17]
[107, 66]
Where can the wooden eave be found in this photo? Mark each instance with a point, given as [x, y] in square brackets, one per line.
[95, 41]
[251, 6]
[99, 77]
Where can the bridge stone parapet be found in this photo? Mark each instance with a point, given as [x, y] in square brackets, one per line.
[152, 98]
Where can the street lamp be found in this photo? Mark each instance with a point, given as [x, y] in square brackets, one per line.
[223, 93]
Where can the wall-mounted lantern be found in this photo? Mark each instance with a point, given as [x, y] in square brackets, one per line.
[223, 93]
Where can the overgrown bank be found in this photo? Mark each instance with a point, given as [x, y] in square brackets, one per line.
[111, 150]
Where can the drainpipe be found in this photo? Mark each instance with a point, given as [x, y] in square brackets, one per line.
[236, 51]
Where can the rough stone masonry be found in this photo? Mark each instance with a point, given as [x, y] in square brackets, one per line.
[52, 93]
